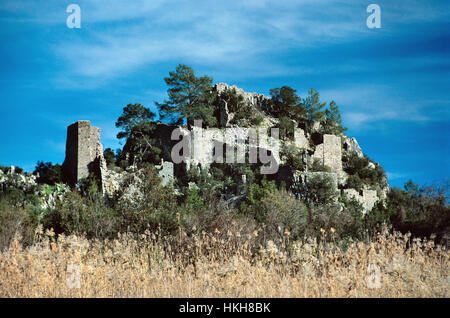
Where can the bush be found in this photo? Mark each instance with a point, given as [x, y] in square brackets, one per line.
[293, 157]
[48, 173]
[359, 166]
[318, 189]
[110, 157]
[287, 128]
[353, 164]
[423, 211]
[193, 201]
[210, 185]
[282, 215]
[75, 214]
[316, 166]
[15, 221]
[354, 182]
[222, 222]
[145, 204]
[255, 193]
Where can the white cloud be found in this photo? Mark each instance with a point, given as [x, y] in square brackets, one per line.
[395, 175]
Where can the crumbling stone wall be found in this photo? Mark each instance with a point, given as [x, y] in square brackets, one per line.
[232, 145]
[300, 139]
[166, 172]
[329, 153]
[84, 152]
[332, 155]
[366, 197]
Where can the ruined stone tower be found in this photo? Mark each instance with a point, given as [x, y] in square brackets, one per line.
[84, 152]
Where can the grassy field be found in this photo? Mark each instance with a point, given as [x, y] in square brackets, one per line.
[210, 266]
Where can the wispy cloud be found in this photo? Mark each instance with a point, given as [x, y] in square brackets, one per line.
[119, 37]
[395, 175]
[362, 104]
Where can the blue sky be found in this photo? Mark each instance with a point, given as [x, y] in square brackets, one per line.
[392, 84]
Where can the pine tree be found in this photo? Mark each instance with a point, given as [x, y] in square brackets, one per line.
[190, 98]
[138, 126]
[286, 103]
[313, 106]
[333, 120]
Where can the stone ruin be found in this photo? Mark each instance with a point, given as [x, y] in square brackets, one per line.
[84, 152]
[84, 155]
[329, 153]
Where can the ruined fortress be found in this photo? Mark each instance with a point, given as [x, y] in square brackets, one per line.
[84, 151]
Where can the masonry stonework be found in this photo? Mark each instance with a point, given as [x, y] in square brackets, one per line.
[84, 152]
[329, 153]
[367, 198]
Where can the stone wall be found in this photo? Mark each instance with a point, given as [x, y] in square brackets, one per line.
[300, 139]
[166, 172]
[329, 153]
[332, 155]
[230, 145]
[84, 152]
[366, 197]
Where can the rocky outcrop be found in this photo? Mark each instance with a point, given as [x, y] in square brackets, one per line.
[256, 100]
[352, 146]
[300, 139]
[46, 194]
[13, 180]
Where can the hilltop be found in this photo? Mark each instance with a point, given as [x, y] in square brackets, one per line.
[220, 158]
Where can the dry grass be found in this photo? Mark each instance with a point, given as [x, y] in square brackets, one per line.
[210, 266]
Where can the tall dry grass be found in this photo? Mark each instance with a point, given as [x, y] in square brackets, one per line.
[208, 265]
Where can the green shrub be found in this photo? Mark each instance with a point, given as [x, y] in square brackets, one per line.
[353, 164]
[209, 184]
[318, 189]
[293, 157]
[15, 221]
[193, 201]
[255, 193]
[48, 173]
[351, 219]
[423, 211]
[317, 166]
[282, 214]
[354, 182]
[149, 206]
[75, 214]
[287, 128]
[359, 166]
[110, 157]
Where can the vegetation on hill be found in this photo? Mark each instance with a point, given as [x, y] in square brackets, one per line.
[256, 217]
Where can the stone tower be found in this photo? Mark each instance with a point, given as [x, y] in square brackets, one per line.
[84, 152]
